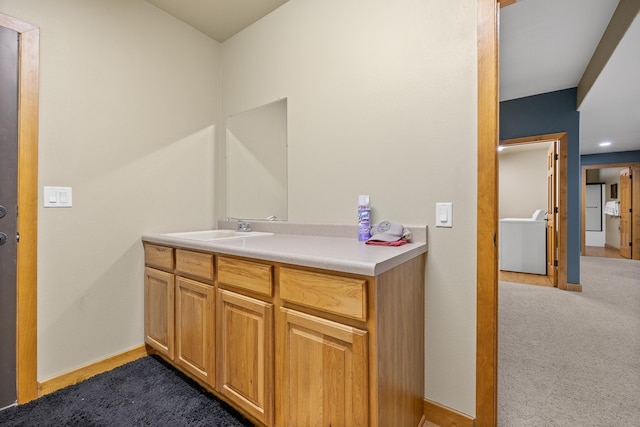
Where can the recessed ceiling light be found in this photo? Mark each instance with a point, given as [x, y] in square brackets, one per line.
[604, 144]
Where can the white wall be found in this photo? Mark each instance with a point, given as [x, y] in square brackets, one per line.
[523, 180]
[381, 101]
[129, 104]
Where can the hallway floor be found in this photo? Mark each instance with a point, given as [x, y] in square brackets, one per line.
[603, 252]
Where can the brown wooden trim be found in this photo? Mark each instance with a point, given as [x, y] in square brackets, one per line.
[26, 283]
[562, 210]
[445, 417]
[505, 3]
[487, 220]
[533, 139]
[635, 200]
[635, 205]
[574, 287]
[81, 374]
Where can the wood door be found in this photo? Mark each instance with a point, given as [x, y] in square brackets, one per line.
[552, 213]
[324, 377]
[194, 328]
[245, 353]
[625, 213]
[158, 310]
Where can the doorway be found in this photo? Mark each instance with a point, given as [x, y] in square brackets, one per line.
[527, 185]
[27, 200]
[628, 221]
[556, 206]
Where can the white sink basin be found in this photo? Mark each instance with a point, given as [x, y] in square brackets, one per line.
[206, 235]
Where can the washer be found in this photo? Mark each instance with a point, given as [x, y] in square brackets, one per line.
[523, 244]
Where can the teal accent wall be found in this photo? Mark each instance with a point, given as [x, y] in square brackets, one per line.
[610, 158]
[552, 112]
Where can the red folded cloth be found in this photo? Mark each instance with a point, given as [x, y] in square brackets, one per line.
[381, 243]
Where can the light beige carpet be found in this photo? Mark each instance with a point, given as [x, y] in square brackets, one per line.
[572, 359]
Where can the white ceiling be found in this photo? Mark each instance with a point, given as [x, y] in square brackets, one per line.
[545, 45]
[219, 19]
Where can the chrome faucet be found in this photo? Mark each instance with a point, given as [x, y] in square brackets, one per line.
[243, 226]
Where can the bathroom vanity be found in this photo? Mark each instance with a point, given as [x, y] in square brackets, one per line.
[293, 329]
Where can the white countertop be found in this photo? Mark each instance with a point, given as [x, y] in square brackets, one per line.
[343, 254]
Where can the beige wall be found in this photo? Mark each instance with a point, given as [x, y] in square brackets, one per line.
[129, 104]
[381, 101]
[523, 180]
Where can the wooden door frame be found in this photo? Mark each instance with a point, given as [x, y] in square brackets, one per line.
[561, 180]
[487, 216]
[26, 303]
[635, 205]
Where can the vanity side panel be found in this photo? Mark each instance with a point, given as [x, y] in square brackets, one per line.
[399, 330]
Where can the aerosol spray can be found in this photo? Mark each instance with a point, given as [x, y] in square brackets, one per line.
[364, 218]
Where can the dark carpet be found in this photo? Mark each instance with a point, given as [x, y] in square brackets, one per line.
[145, 392]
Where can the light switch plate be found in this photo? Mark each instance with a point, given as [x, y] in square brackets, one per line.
[444, 215]
[57, 197]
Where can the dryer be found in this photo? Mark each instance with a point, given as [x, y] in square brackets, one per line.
[523, 244]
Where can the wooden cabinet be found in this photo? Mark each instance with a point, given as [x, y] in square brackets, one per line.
[350, 349]
[323, 372]
[158, 310]
[193, 264]
[245, 353]
[160, 257]
[194, 322]
[159, 299]
[340, 295]
[179, 311]
[288, 345]
[246, 275]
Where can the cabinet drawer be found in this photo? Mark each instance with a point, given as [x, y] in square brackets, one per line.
[334, 294]
[248, 275]
[158, 256]
[194, 264]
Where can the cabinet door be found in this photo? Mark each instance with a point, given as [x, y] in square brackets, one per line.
[323, 375]
[194, 328]
[158, 310]
[245, 353]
